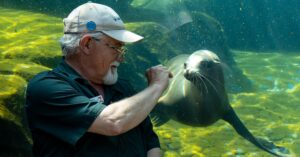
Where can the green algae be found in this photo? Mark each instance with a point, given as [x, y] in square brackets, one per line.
[11, 85]
[12, 93]
[6, 114]
[28, 35]
[23, 68]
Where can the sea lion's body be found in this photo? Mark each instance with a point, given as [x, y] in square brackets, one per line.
[196, 96]
[187, 103]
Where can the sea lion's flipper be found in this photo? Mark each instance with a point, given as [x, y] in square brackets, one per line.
[158, 115]
[279, 151]
[241, 129]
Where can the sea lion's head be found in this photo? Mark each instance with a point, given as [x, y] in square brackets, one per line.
[203, 67]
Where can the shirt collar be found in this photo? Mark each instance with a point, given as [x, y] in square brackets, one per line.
[66, 69]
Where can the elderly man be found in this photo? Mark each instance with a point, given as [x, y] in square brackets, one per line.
[81, 108]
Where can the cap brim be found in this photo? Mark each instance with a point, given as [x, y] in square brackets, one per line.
[123, 35]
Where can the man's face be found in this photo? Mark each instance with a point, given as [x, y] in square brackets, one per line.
[107, 57]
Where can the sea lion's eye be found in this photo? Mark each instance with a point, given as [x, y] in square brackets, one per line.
[207, 64]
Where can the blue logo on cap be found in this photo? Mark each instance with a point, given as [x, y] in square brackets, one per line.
[91, 26]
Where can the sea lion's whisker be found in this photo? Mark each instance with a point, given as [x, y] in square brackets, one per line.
[217, 81]
[199, 76]
[198, 84]
[214, 87]
[210, 83]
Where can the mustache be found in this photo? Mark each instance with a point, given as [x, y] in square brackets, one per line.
[115, 63]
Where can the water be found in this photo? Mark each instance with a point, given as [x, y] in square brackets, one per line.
[270, 111]
[258, 40]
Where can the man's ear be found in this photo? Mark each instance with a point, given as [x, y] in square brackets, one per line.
[85, 44]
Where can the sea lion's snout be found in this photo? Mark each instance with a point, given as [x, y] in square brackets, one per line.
[201, 65]
[189, 69]
[198, 65]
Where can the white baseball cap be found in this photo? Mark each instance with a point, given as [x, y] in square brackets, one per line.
[92, 17]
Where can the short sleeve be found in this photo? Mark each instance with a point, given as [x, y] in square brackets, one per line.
[151, 138]
[55, 107]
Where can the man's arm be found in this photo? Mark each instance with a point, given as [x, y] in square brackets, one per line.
[126, 114]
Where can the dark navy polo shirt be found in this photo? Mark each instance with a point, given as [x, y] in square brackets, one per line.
[61, 106]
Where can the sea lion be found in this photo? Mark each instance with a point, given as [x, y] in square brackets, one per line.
[196, 96]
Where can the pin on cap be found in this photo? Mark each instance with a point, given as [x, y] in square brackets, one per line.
[91, 26]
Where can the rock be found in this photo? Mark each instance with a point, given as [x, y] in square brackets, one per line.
[23, 68]
[12, 93]
[13, 141]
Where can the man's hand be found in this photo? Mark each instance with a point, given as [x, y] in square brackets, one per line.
[158, 75]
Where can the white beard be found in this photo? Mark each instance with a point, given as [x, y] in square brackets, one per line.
[111, 77]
